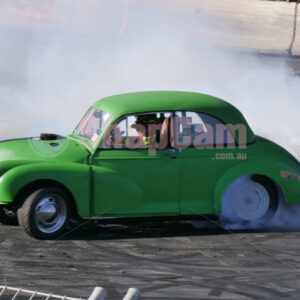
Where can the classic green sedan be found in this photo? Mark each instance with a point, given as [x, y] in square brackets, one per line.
[148, 154]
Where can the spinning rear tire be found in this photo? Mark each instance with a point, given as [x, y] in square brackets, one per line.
[250, 198]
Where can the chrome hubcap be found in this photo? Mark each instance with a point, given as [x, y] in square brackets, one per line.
[50, 213]
[253, 201]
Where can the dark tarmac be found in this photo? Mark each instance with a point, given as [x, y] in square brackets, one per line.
[164, 260]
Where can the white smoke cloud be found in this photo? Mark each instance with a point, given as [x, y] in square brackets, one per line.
[60, 58]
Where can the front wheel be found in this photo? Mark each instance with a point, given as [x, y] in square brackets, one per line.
[250, 200]
[45, 212]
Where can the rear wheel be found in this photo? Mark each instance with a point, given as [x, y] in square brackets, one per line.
[45, 212]
[250, 198]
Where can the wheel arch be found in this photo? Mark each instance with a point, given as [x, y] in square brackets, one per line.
[27, 188]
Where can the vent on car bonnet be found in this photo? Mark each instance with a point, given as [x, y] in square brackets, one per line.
[50, 136]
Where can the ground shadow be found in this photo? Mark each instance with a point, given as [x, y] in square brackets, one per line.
[97, 231]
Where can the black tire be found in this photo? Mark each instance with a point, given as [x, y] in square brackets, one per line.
[239, 208]
[45, 212]
[8, 216]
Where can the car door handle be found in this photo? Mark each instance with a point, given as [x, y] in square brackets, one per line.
[173, 150]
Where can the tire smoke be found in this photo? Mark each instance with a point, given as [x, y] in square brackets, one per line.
[284, 218]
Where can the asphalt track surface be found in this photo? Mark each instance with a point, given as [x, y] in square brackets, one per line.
[165, 260]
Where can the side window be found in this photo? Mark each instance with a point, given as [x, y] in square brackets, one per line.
[140, 131]
[198, 130]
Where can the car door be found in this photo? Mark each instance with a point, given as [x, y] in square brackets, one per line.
[130, 179]
[207, 150]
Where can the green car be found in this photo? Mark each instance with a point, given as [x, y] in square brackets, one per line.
[147, 154]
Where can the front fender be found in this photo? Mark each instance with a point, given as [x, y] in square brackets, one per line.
[73, 176]
[289, 187]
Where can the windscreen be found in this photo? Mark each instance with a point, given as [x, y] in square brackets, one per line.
[92, 124]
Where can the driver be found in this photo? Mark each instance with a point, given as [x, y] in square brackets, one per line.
[151, 130]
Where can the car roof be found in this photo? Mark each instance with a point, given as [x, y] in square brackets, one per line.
[152, 101]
